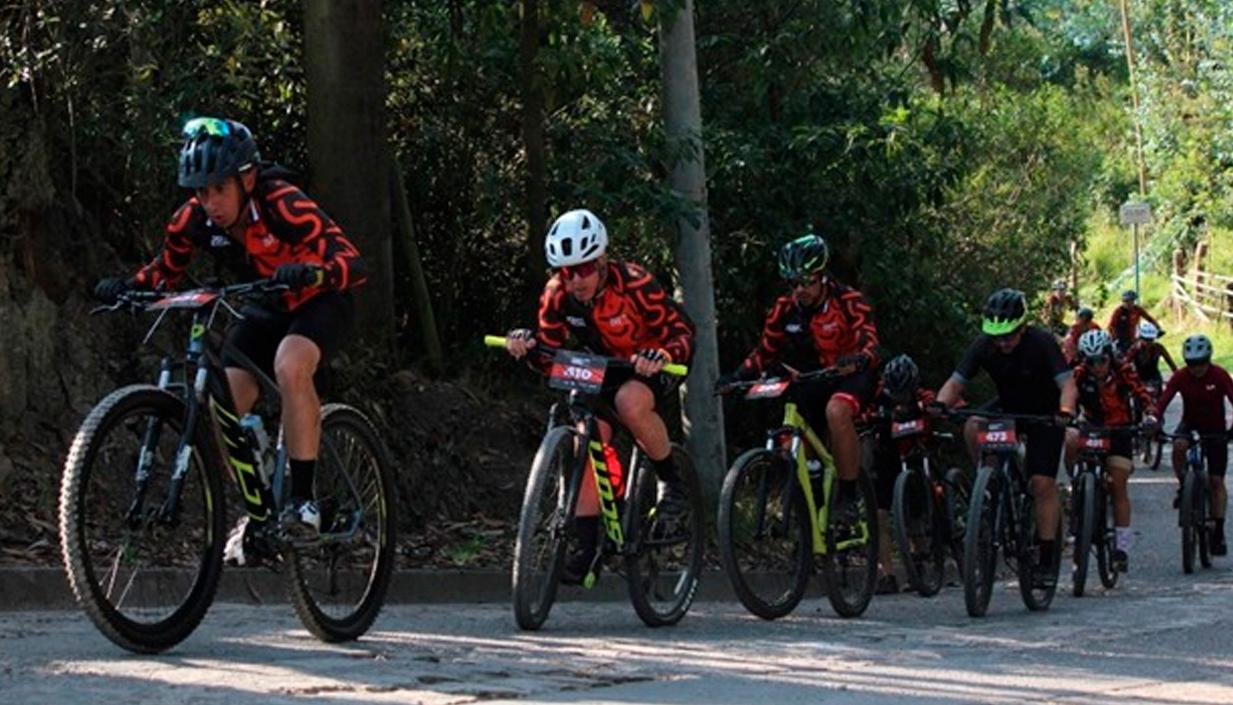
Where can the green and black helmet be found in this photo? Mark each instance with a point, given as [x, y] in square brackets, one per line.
[1005, 311]
[804, 255]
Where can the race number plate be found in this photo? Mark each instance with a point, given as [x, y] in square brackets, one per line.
[187, 299]
[906, 429]
[1102, 443]
[572, 370]
[998, 435]
[768, 389]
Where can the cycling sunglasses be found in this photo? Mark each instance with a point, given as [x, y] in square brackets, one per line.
[1096, 359]
[584, 270]
[804, 282]
[210, 126]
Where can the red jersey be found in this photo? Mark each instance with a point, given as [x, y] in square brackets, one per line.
[286, 226]
[1202, 397]
[631, 312]
[1106, 401]
[1124, 323]
[841, 325]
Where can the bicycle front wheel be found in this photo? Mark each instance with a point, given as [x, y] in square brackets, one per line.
[547, 504]
[764, 533]
[143, 577]
[919, 531]
[1189, 517]
[663, 572]
[979, 546]
[338, 582]
[850, 565]
[1085, 501]
[1107, 538]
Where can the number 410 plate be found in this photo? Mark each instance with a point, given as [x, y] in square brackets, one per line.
[573, 370]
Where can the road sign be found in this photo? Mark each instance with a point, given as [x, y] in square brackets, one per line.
[1135, 213]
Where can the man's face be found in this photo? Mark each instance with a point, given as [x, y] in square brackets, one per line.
[807, 290]
[1198, 369]
[1006, 344]
[223, 201]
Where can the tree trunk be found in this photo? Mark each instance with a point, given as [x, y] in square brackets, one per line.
[344, 57]
[703, 420]
[536, 195]
[424, 315]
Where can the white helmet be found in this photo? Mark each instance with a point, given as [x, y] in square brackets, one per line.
[1095, 342]
[1148, 330]
[1197, 348]
[575, 237]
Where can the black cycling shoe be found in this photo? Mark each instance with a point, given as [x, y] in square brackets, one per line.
[1119, 561]
[672, 510]
[1218, 546]
[845, 517]
[1177, 498]
[887, 585]
[576, 567]
[1043, 577]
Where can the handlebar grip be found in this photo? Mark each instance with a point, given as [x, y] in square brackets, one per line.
[494, 341]
[674, 369]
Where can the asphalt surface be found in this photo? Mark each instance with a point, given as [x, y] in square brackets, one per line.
[1160, 636]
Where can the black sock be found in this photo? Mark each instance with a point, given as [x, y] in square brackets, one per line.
[665, 469]
[302, 478]
[1047, 549]
[1219, 526]
[847, 489]
[587, 529]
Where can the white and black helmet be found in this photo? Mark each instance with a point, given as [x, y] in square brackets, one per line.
[1094, 343]
[1197, 348]
[1148, 330]
[575, 237]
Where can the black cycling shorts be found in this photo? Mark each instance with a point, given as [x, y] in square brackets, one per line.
[1215, 449]
[887, 464]
[661, 384]
[326, 319]
[812, 396]
[1043, 443]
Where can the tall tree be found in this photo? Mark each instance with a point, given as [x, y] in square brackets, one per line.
[348, 155]
[683, 126]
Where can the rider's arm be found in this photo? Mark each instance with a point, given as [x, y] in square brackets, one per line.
[177, 253]
[1064, 376]
[771, 343]
[1131, 378]
[1143, 312]
[1113, 319]
[661, 313]
[1164, 352]
[297, 219]
[1167, 395]
[860, 316]
[952, 391]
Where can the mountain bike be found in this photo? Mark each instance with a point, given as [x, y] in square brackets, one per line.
[1001, 516]
[1092, 515]
[142, 510]
[1148, 445]
[1192, 516]
[661, 565]
[925, 504]
[778, 509]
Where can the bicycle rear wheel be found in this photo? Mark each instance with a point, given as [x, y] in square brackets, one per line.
[958, 497]
[663, 573]
[338, 582]
[764, 529]
[979, 546]
[920, 535]
[850, 565]
[145, 580]
[1084, 500]
[547, 504]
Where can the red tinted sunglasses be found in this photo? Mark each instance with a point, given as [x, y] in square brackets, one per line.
[585, 269]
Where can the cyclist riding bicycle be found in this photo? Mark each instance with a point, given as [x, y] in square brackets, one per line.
[1031, 377]
[899, 397]
[255, 224]
[821, 324]
[615, 308]
[1105, 388]
[1057, 303]
[1145, 354]
[1124, 322]
[1083, 323]
[1204, 386]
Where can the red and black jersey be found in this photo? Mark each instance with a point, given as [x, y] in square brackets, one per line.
[1124, 323]
[884, 407]
[285, 226]
[631, 312]
[1202, 398]
[1106, 402]
[818, 337]
[1146, 354]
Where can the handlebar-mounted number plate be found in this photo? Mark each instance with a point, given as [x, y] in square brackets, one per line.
[577, 371]
[1100, 443]
[907, 429]
[768, 389]
[186, 299]
[998, 435]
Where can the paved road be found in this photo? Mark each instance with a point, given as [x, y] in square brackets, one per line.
[1159, 637]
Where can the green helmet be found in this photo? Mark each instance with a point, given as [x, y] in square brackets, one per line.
[804, 255]
[1005, 311]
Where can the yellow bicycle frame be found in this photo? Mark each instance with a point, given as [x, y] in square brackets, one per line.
[793, 419]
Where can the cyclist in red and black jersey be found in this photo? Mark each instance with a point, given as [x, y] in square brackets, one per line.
[1124, 322]
[1146, 353]
[258, 225]
[820, 324]
[1204, 387]
[615, 308]
[1083, 323]
[1106, 385]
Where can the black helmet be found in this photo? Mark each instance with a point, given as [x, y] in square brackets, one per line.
[1005, 311]
[901, 378]
[804, 255]
[213, 150]
[1087, 313]
[1130, 295]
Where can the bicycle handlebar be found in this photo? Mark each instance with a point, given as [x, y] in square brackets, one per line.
[824, 373]
[141, 298]
[985, 413]
[498, 341]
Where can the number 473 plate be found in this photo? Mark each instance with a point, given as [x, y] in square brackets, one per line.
[573, 370]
